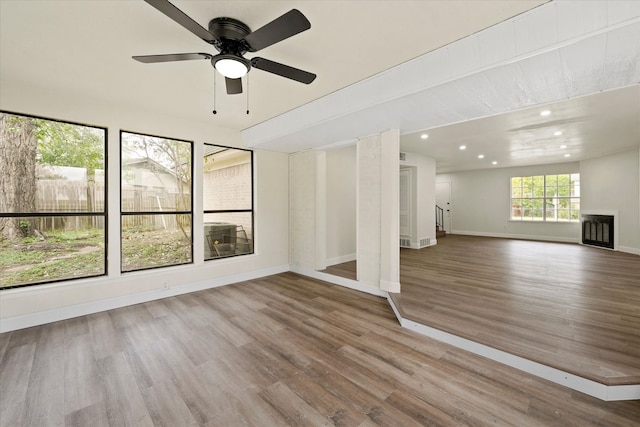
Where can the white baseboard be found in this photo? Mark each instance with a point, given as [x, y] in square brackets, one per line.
[40, 318]
[341, 259]
[63, 313]
[390, 286]
[574, 382]
[395, 309]
[518, 236]
[629, 250]
[336, 280]
[626, 249]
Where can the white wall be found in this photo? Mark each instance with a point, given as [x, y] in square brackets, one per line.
[42, 303]
[480, 204]
[307, 207]
[424, 202]
[612, 183]
[341, 205]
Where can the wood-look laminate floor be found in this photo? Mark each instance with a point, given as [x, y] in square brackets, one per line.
[283, 350]
[572, 307]
[348, 270]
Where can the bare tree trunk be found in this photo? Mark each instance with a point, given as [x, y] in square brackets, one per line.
[18, 145]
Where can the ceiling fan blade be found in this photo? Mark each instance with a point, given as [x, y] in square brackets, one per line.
[150, 59]
[234, 86]
[287, 25]
[182, 18]
[283, 70]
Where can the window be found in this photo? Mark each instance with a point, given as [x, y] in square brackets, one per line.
[156, 201]
[53, 205]
[228, 201]
[551, 198]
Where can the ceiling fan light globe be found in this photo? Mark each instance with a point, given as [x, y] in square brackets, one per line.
[231, 68]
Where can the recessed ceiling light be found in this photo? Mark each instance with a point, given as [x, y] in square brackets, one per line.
[563, 146]
[557, 133]
[567, 155]
[545, 112]
[463, 147]
[424, 136]
[481, 156]
[494, 163]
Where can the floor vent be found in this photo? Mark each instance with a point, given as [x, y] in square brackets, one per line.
[425, 242]
[405, 243]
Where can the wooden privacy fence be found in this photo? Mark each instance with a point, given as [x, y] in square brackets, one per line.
[136, 199]
[54, 195]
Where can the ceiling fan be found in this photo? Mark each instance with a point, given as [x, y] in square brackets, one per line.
[233, 38]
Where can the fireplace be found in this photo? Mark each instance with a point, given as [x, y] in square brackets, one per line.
[597, 230]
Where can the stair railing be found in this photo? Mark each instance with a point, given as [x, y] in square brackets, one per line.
[439, 218]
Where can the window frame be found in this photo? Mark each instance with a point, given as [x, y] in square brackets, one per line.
[176, 212]
[544, 198]
[251, 210]
[104, 214]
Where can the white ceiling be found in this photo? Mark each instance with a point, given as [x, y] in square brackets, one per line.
[85, 47]
[590, 126]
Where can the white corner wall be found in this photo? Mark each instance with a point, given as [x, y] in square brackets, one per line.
[341, 205]
[33, 305]
[480, 204]
[307, 206]
[424, 217]
[612, 183]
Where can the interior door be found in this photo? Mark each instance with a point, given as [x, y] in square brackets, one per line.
[405, 202]
[443, 199]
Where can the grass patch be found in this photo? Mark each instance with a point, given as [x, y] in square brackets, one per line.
[80, 253]
[148, 249]
[57, 255]
[79, 265]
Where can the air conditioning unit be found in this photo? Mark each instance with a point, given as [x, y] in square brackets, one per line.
[218, 233]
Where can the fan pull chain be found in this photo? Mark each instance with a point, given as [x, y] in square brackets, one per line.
[247, 93]
[214, 92]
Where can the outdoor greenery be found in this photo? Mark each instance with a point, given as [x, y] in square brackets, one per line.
[147, 248]
[54, 256]
[546, 197]
[66, 144]
[80, 253]
[155, 201]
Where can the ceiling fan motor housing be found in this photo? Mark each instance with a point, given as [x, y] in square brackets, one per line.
[230, 34]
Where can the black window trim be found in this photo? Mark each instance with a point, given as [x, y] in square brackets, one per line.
[104, 214]
[156, 212]
[251, 211]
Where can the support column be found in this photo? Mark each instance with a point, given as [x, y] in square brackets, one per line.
[378, 211]
[390, 212]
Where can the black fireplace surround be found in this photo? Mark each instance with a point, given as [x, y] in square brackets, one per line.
[597, 230]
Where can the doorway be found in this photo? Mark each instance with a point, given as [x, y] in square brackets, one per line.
[443, 199]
